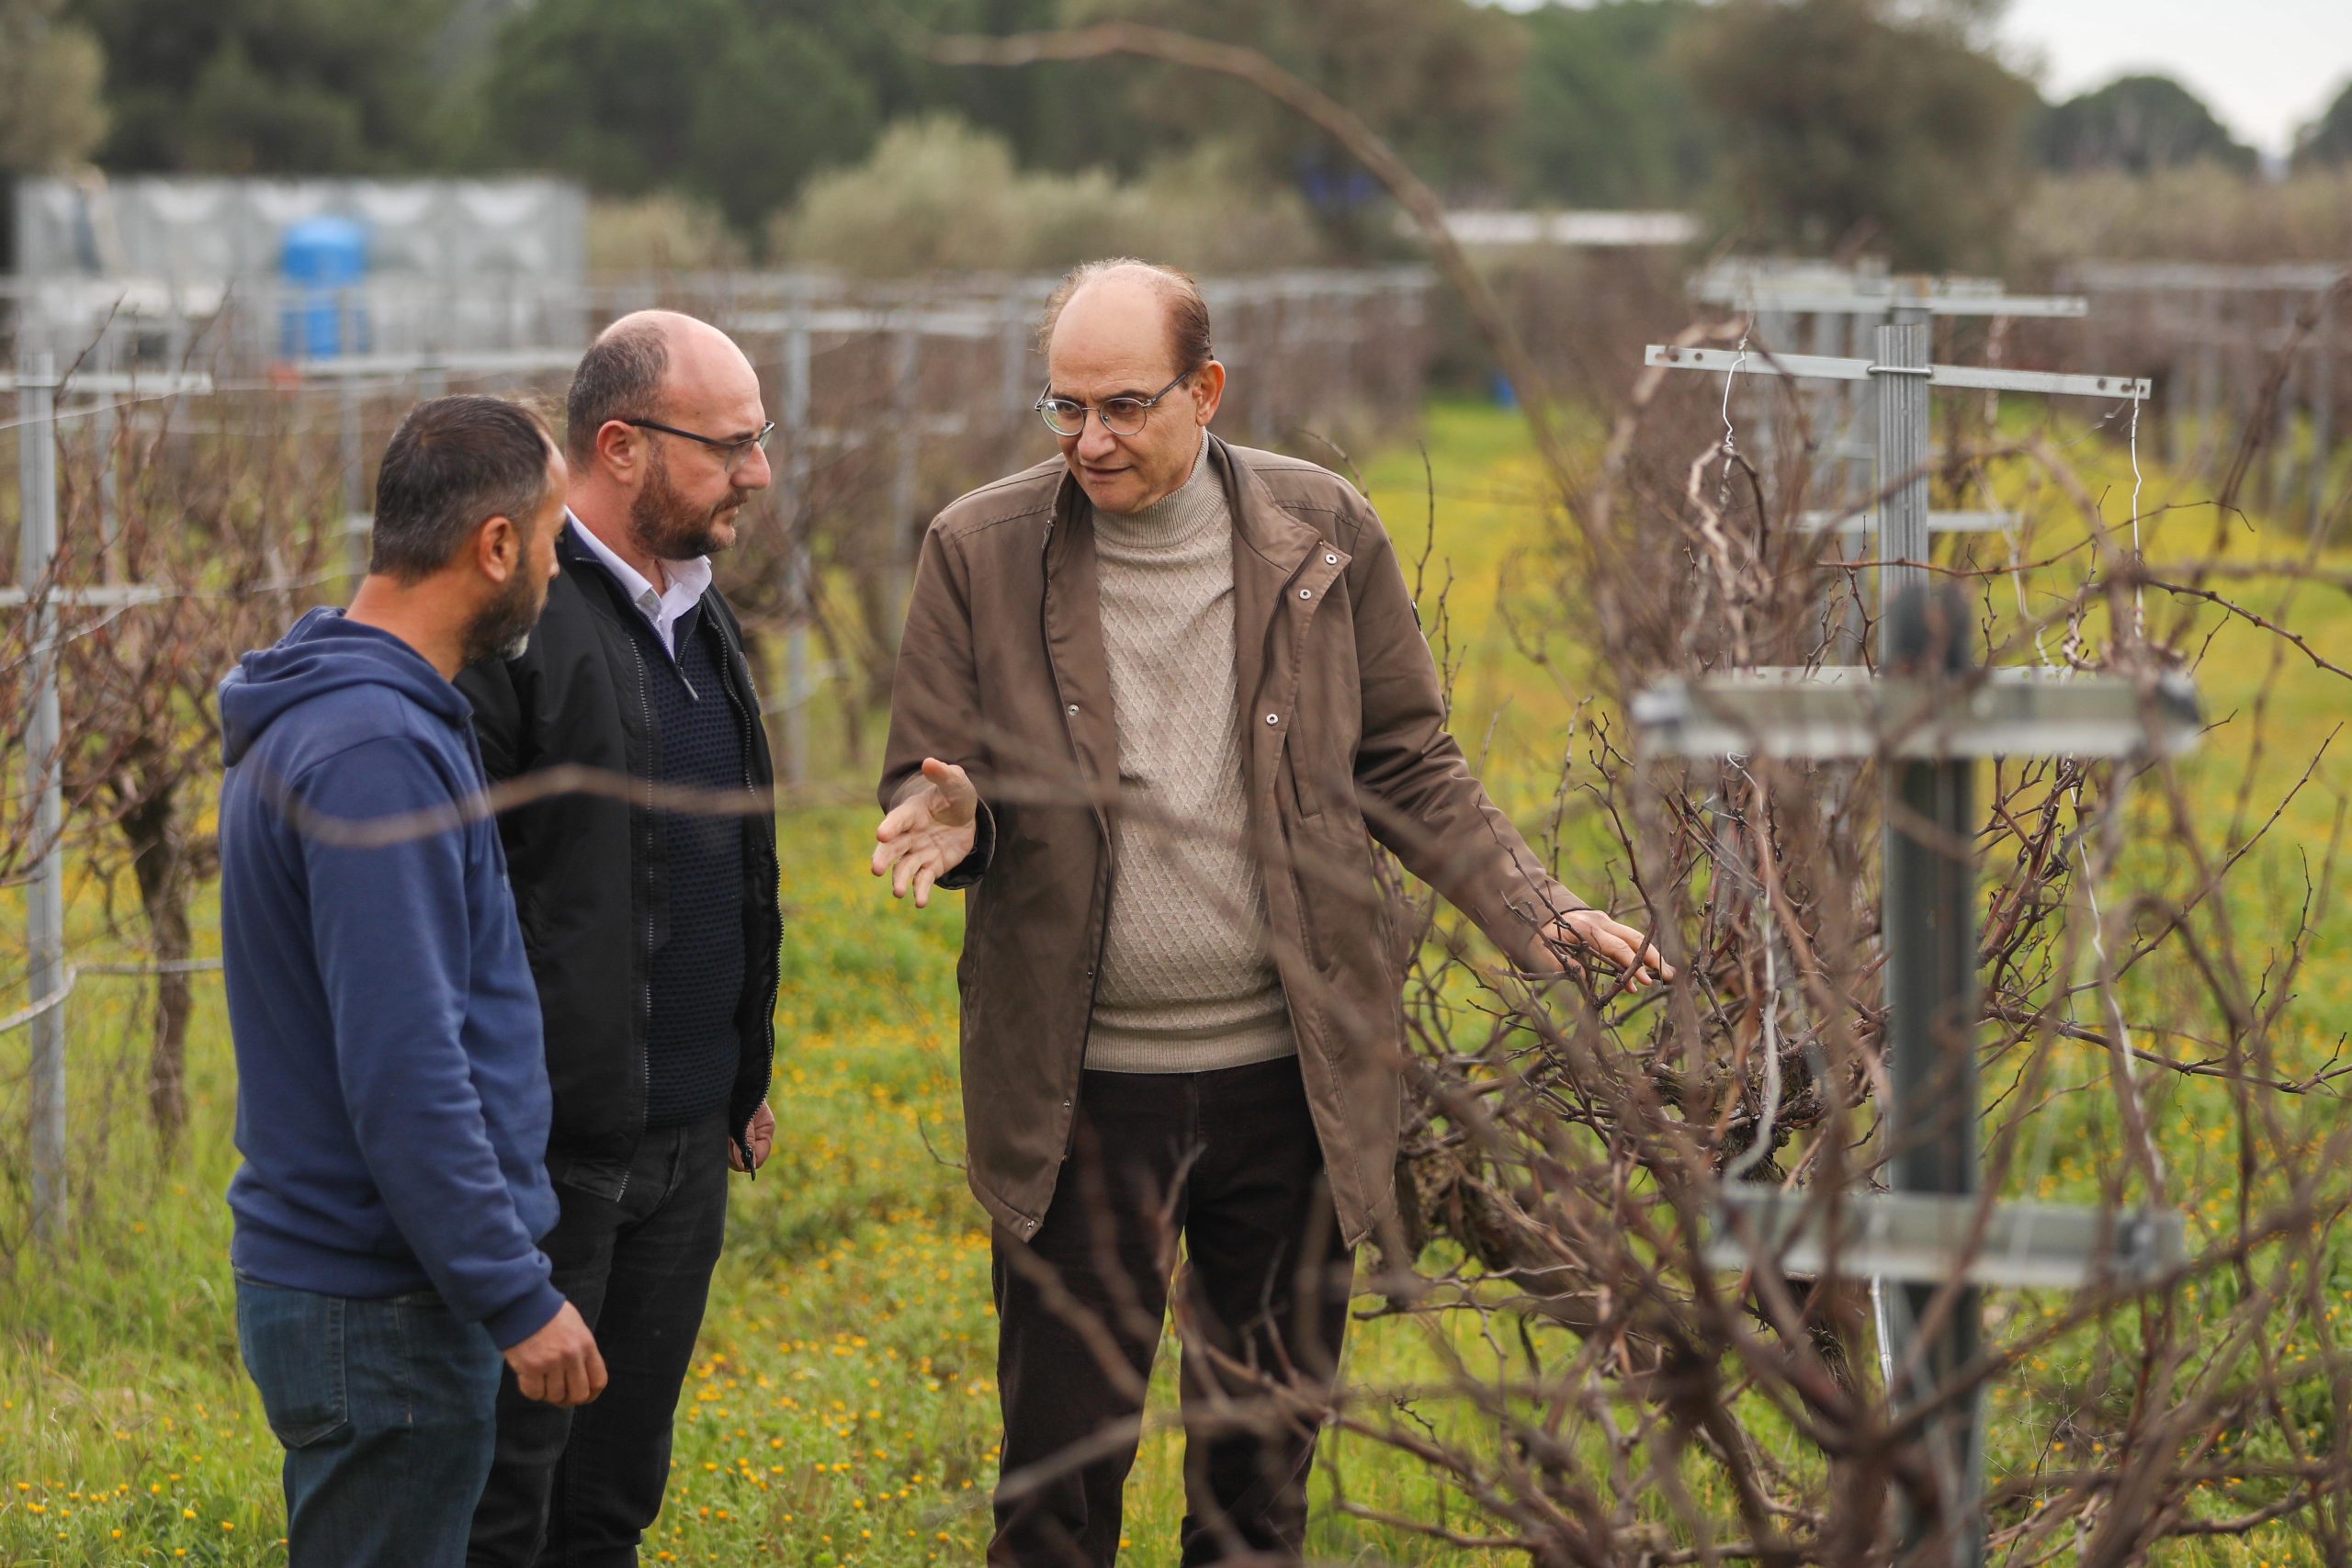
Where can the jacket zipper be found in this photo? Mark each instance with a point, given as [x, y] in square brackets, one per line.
[767, 1074]
[1110, 852]
[645, 987]
[1273, 780]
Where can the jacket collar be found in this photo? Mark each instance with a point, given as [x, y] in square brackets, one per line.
[1269, 538]
[582, 564]
[688, 579]
[1262, 526]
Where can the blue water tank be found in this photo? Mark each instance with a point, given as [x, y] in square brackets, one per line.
[322, 257]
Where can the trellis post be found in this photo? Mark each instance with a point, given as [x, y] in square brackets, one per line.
[1927, 721]
[45, 896]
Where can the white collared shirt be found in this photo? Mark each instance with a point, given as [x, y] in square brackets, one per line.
[662, 608]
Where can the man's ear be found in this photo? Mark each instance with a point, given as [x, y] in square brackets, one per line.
[498, 550]
[1208, 389]
[617, 443]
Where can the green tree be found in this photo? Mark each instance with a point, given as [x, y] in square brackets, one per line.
[1061, 114]
[716, 97]
[1604, 119]
[740, 102]
[2327, 143]
[51, 115]
[1855, 120]
[1437, 78]
[2136, 124]
[272, 87]
[938, 195]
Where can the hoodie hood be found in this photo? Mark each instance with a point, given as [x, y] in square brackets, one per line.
[325, 652]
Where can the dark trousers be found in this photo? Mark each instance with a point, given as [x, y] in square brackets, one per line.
[384, 1411]
[633, 1249]
[1228, 1161]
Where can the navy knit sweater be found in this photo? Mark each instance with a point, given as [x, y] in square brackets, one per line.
[692, 1045]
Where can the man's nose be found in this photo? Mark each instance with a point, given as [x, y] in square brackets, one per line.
[1094, 438]
[753, 473]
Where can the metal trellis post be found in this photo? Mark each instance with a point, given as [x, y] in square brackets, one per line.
[906, 351]
[1930, 1049]
[45, 912]
[1927, 721]
[800, 585]
[355, 510]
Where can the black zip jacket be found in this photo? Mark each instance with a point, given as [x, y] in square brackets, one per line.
[580, 696]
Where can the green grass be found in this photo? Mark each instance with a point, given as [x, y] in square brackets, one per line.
[841, 1407]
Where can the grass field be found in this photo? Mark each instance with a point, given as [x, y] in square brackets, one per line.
[841, 1408]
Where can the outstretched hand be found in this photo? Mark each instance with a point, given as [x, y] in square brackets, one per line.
[927, 834]
[1616, 944]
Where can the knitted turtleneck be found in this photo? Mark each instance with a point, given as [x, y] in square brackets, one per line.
[1188, 981]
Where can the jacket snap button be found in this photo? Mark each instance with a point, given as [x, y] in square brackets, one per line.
[1306, 593]
[1064, 1105]
[1272, 719]
[1073, 710]
[1330, 560]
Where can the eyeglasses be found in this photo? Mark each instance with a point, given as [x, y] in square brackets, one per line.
[731, 453]
[1120, 416]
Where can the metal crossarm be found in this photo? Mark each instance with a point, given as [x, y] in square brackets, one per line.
[159, 383]
[495, 362]
[834, 321]
[1841, 711]
[103, 596]
[1937, 522]
[1831, 367]
[1929, 1237]
[1814, 299]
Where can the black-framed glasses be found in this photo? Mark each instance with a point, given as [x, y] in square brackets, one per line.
[1120, 416]
[731, 453]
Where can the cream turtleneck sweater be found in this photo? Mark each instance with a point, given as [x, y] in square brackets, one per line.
[1187, 979]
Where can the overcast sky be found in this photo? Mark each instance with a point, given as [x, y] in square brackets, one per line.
[2264, 66]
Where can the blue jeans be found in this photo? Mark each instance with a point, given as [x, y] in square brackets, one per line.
[386, 1412]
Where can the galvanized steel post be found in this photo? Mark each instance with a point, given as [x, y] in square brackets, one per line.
[799, 585]
[45, 904]
[906, 356]
[1930, 1049]
[1899, 375]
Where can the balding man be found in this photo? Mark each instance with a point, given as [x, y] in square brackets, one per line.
[652, 931]
[1151, 697]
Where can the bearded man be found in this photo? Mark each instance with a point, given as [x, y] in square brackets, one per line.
[650, 914]
[392, 1104]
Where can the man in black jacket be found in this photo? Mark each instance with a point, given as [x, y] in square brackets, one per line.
[648, 907]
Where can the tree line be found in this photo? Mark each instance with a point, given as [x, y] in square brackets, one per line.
[1898, 123]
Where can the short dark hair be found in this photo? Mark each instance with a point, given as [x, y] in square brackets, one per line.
[1188, 312]
[618, 377]
[454, 463]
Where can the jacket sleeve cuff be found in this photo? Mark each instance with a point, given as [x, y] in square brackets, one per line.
[1521, 922]
[513, 1323]
[973, 866]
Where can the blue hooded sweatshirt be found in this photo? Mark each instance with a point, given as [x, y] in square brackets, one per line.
[393, 1100]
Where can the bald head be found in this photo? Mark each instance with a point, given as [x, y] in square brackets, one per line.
[1128, 289]
[668, 427]
[647, 362]
[1132, 339]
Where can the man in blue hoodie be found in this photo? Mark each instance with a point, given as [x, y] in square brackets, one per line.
[392, 1102]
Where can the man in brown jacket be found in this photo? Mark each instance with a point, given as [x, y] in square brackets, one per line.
[1155, 700]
